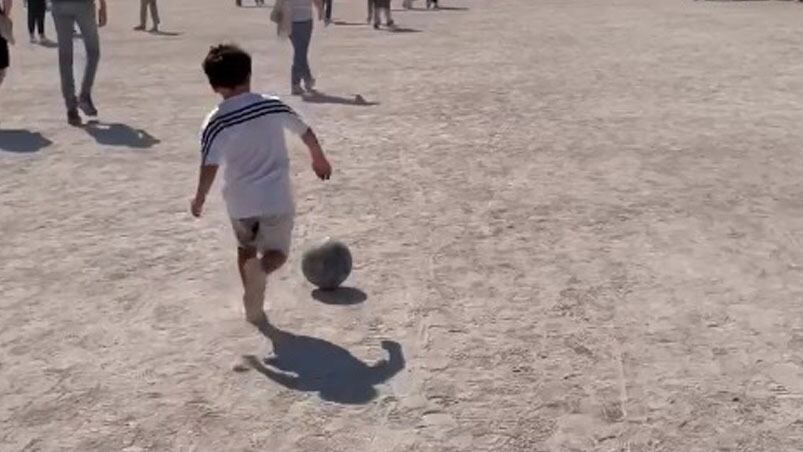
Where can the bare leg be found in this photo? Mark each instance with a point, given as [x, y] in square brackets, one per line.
[2, 76]
[272, 261]
[253, 273]
[243, 254]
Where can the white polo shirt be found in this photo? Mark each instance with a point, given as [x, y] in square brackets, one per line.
[245, 135]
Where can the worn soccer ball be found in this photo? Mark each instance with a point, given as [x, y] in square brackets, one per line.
[327, 264]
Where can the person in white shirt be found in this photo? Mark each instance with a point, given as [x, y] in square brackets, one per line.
[245, 134]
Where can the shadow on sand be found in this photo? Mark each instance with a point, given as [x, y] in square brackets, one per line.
[440, 8]
[402, 30]
[343, 23]
[309, 364]
[342, 296]
[165, 33]
[21, 141]
[48, 44]
[117, 134]
[317, 97]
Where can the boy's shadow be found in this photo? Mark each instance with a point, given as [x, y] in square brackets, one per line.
[317, 97]
[116, 134]
[309, 364]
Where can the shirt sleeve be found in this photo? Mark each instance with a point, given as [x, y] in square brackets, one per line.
[293, 122]
[211, 141]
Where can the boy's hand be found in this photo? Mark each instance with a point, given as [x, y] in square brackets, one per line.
[103, 17]
[197, 207]
[322, 168]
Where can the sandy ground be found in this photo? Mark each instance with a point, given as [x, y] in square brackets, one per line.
[581, 221]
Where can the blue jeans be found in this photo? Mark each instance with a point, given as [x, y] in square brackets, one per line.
[300, 36]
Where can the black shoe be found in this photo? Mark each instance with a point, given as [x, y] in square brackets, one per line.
[86, 106]
[73, 118]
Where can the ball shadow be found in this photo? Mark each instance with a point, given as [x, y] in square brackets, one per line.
[342, 296]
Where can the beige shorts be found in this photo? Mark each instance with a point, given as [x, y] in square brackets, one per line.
[265, 233]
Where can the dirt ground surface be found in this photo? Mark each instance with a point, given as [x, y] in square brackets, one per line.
[578, 225]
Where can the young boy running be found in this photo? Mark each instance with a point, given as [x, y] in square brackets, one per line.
[245, 134]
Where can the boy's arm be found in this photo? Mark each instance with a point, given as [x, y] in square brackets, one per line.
[206, 178]
[320, 165]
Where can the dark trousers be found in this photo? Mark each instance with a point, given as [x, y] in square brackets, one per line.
[328, 4]
[300, 36]
[36, 16]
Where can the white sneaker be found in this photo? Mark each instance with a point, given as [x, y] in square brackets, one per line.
[254, 296]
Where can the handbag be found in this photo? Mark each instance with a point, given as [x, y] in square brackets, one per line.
[277, 14]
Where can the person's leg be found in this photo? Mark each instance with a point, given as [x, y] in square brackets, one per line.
[329, 10]
[254, 283]
[272, 261]
[299, 36]
[4, 59]
[388, 16]
[31, 21]
[65, 23]
[253, 274]
[41, 10]
[143, 15]
[155, 15]
[370, 11]
[305, 70]
[88, 24]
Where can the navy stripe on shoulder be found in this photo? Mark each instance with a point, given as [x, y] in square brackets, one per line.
[207, 145]
[215, 121]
